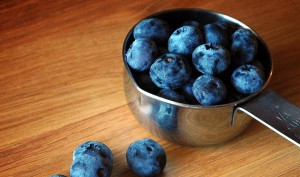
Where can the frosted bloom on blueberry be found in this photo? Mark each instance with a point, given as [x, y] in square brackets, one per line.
[209, 90]
[153, 28]
[141, 54]
[243, 46]
[170, 71]
[184, 40]
[211, 59]
[146, 158]
[216, 35]
[247, 79]
[92, 159]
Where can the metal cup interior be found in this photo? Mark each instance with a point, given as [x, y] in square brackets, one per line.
[186, 124]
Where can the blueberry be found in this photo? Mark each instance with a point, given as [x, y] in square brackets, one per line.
[58, 175]
[167, 113]
[146, 158]
[171, 95]
[226, 26]
[216, 35]
[170, 71]
[184, 40]
[141, 54]
[211, 59]
[209, 90]
[92, 159]
[187, 91]
[191, 23]
[153, 28]
[247, 79]
[243, 46]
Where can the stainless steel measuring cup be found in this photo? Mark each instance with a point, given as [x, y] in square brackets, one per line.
[195, 125]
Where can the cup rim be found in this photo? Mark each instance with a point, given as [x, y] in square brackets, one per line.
[195, 106]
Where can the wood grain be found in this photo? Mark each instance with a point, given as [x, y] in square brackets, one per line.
[61, 84]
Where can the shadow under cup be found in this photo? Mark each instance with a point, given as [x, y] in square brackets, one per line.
[190, 125]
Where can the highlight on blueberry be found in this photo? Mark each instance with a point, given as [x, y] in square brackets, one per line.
[146, 158]
[247, 79]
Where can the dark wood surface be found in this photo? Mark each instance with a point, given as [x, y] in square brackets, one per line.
[61, 84]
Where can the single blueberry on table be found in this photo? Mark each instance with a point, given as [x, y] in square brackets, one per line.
[187, 91]
[153, 28]
[243, 46]
[58, 175]
[146, 158]
[209, 90]
[216, 35]
[141, 54]
[211, 59]
[184, 40]
[170, 71]
[92, 159]
[191, 23]
[247, 79]
[167, 114]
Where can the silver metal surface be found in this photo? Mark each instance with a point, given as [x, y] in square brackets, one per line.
[276, 113]
[189, 126]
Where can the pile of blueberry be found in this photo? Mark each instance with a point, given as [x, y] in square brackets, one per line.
[145, 157]
[207, 65]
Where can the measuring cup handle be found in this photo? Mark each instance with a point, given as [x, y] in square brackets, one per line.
[276, 113]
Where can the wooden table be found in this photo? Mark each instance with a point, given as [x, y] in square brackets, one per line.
[61, 83]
